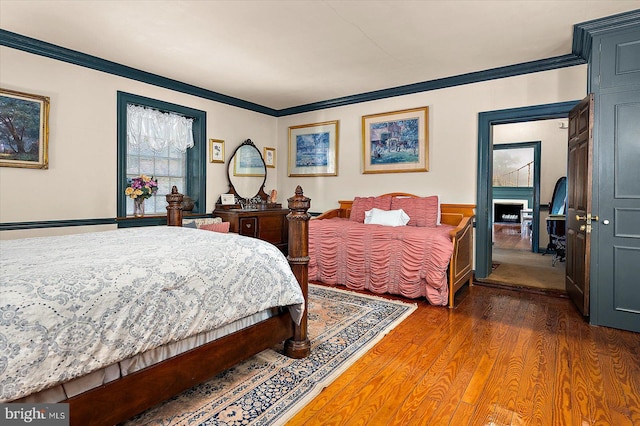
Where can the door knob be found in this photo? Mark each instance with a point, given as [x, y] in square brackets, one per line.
[583, 227]
[588, 217]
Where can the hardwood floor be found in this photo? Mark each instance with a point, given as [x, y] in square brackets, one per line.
[508, 236]
[501, 357]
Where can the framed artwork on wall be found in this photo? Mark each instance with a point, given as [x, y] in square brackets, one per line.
[216, 151]
[24, 130]
[313, 149]
[396, 141]
[270, 157]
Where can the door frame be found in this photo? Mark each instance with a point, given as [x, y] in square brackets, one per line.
[486, 120]
[537, 156]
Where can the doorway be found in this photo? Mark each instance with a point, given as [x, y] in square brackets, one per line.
[487, 126]
[516, 194]
[517, 258]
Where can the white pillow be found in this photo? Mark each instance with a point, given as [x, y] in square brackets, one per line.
[386, 217]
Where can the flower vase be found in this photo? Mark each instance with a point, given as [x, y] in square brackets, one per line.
[138, 207]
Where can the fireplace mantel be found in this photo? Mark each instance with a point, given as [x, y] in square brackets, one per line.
[508, 210]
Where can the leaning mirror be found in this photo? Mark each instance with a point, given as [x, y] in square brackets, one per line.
[247, 173]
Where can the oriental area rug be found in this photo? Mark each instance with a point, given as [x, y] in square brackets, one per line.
[270, 388]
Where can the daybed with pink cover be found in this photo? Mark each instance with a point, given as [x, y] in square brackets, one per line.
[365, 245]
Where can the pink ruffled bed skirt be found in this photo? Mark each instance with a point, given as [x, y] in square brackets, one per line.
[405, 260]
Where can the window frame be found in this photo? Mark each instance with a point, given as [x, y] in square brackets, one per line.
[196, 157]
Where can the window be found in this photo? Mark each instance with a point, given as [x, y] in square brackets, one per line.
[169, 165]
[513, 167]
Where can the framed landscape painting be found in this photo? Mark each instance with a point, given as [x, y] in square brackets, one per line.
[396, 141]
[313, 149]
[24, 130]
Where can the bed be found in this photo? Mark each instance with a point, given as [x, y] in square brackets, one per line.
[173, 312]
[430, 257]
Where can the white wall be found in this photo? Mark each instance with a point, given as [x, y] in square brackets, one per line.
[453, 137]
[81, 180]
[553, 164]
[553, 146]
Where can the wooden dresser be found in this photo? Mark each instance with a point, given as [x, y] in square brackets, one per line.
[269, 225]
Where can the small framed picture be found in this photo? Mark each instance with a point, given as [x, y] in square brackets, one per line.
[24, 130]
[216, 151]
[270, 157]
[227, 199]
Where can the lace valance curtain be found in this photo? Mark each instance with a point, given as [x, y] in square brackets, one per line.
[157, 129]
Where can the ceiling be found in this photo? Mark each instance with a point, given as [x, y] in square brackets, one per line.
[282, 54]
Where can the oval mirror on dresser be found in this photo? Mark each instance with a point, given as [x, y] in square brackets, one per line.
[252, 214]
[247, 175]
[247, 172]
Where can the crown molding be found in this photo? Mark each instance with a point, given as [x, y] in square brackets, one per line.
[458, 80]
[42, 48]
[581, 50]
[584, 32]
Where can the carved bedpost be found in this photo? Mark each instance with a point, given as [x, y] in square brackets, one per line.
[299, 346]
[174, 209]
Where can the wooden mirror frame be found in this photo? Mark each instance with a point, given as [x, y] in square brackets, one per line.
[261, 197]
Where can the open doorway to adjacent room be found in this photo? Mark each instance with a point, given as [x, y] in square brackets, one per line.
[522, 183]
[516, 193]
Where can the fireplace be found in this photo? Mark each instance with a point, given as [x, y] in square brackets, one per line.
[508, 211]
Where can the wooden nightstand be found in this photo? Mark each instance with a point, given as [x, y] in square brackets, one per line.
[269, 225]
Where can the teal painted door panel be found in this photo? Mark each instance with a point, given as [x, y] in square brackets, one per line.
[616, 234]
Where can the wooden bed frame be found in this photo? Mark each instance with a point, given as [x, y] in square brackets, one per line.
[458, 215]
[123, 398]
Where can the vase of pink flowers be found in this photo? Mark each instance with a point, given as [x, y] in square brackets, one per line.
[139, 189]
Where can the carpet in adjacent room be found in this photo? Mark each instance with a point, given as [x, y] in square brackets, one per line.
[270, 388]
[524, 269]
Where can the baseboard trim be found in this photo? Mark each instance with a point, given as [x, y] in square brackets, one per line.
[14, 226]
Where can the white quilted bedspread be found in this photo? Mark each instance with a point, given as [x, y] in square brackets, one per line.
[72, 304]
